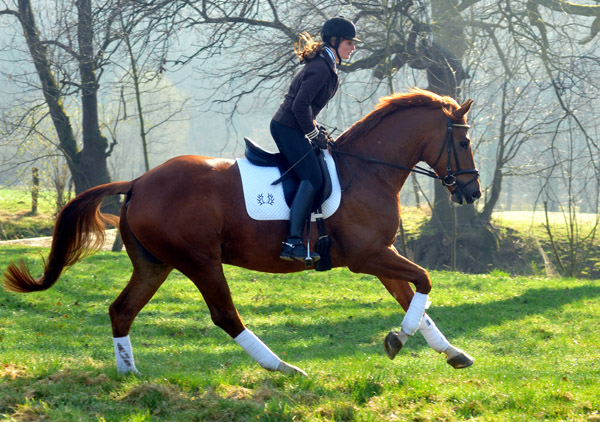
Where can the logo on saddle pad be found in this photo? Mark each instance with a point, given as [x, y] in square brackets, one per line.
[267, 202]
[261, 200]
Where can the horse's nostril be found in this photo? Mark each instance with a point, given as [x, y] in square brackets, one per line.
[476, 195]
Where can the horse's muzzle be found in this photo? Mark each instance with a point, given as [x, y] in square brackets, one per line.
[460, 196]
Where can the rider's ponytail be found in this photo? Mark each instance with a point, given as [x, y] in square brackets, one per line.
[307, 48]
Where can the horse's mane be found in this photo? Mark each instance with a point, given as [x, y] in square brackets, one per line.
[399, 101]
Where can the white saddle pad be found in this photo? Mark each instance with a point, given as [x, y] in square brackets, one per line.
[267, 202]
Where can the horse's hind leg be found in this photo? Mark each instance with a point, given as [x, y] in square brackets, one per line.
[144, 282]
[212, 284]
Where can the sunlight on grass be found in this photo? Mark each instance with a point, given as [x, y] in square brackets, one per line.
[529, 221]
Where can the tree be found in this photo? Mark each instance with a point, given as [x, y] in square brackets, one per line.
[69, 56]
[87, 165]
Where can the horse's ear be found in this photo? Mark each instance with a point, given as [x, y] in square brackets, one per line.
[463, 109]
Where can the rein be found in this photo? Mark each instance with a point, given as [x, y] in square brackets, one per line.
[448, 180]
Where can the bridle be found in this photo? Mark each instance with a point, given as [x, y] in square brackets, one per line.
[449, 180]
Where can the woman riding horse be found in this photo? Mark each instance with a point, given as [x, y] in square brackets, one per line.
[294, 127]
[189, 214]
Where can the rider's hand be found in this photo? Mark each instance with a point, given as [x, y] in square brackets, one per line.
[323, 130]
[320, 140]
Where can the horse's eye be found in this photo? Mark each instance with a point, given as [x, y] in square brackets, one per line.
[464, 144]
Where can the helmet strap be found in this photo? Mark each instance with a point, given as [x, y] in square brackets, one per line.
[338, 41]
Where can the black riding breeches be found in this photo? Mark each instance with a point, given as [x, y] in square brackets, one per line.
[293, 145]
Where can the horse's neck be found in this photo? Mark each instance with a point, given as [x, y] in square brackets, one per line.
[398, 145]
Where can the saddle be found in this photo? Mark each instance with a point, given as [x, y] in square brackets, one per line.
[263, 158]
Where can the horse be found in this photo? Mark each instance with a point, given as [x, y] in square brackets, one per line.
[188, 214]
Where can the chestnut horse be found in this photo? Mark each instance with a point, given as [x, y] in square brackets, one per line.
[189, 214]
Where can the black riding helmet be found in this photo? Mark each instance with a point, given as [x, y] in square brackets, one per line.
[340, 28]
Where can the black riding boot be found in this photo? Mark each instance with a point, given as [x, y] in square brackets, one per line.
[293, 248]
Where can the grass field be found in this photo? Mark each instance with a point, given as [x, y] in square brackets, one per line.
[534, 340]
[534, 222]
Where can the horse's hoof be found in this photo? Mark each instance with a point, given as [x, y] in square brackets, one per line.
[287, 369]
[460, 360]
[393, 343]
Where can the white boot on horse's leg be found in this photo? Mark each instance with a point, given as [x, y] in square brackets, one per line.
[434, 337]
[124, 355]
[395, 340]
[263, 355]
[438, 342]
[414, 315]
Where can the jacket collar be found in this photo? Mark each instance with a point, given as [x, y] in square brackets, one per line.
[329, 57]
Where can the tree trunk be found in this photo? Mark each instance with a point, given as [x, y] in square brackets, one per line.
[93, 165]
[456, 237]
[88, 166]
[493, 196]
[50, 88]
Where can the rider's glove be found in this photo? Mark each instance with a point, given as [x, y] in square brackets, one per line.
[318, 138]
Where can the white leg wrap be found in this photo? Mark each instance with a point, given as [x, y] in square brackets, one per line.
[433, 335]
[415, 313]
[452, 352]
[258, 350]
[124, 355]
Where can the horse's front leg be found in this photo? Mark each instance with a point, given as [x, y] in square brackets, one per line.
[455, 357]
[393, 270]
[395, 340]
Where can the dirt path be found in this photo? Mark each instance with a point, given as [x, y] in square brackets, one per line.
[47, 241]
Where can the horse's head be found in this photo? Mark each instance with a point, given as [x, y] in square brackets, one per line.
[454, 162]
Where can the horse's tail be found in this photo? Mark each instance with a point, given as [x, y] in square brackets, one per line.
[79, 232]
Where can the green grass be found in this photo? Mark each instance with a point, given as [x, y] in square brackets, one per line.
[579, 258]
[534, 340]
[16, 220]
[534, 223]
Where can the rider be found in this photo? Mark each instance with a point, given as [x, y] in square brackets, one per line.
[294, 127]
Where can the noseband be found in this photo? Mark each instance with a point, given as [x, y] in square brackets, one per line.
[448, 180]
